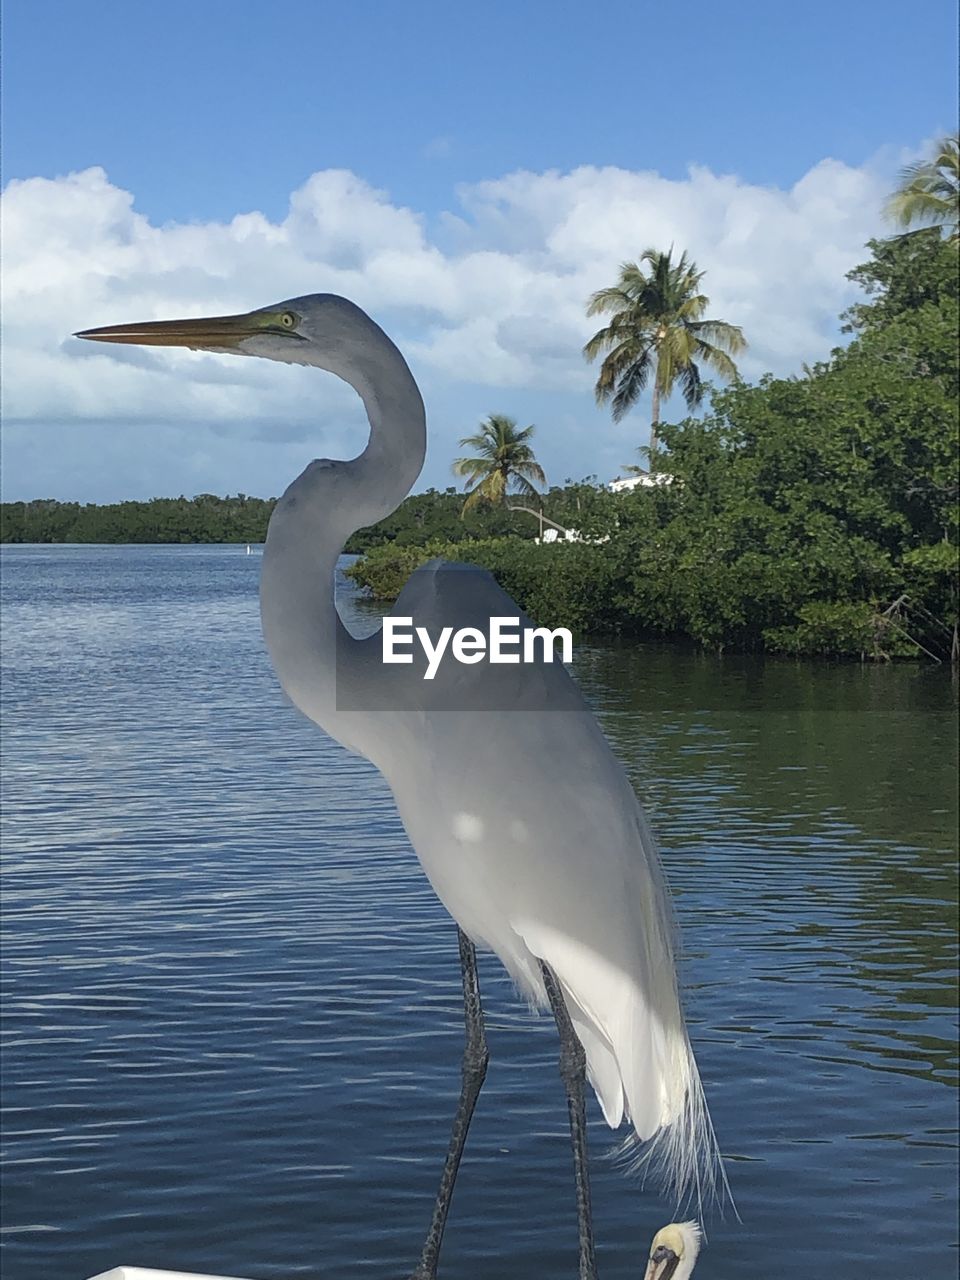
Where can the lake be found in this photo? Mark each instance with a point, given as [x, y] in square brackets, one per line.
[232, 1002]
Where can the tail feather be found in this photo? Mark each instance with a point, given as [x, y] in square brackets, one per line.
[640, 1064]
[682, 1157]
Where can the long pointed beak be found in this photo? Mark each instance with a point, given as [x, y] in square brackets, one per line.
[662, 1264]
[216, 333]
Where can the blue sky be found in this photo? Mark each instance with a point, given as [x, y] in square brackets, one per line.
[452, 120]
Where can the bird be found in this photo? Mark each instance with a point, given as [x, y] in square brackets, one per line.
[521, 815]
[674, 1251]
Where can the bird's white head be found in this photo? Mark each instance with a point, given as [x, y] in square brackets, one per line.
[673, 1252]
[319, 329]
[331, 333]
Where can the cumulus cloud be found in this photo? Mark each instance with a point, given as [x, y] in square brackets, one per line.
[487, 301]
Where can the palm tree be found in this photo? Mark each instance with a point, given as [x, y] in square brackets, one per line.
[657, 329]
[504, 462]
[929, 191]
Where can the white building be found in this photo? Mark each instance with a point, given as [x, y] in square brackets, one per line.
[644, 480]
[556, 535]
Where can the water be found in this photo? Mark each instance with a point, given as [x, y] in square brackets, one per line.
[232, 1002]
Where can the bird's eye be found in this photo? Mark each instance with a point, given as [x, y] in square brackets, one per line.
[288, 320]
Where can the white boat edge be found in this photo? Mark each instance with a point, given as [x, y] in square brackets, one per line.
[147, 1273]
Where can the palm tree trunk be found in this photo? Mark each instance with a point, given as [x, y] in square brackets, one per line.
[655, 422]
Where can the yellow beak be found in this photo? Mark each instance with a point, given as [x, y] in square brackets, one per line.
[218, 333]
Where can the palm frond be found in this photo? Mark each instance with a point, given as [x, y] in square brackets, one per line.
[469, 468]
[523, 486]
[929, 190]
[718, 361]
[527, 472]
[626, 360]
[720, 334]
[473, 499]
[690, 385]
[478, 441]
[622, 330]
[629, 389]
[614, 299]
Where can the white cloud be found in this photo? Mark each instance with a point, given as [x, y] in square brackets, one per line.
[488, 305]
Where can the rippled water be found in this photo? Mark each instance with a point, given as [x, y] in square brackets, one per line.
[232, 1002]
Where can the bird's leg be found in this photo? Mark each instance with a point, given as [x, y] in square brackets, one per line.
[475, 1059]
[573, 1073]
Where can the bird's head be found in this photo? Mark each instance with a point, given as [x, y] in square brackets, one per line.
[316, 329]
[674, 1251]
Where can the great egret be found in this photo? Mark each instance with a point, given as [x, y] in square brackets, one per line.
[520, 814]
[673, 1252]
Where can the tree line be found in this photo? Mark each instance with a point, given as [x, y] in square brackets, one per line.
[204, 518]
[435, 514]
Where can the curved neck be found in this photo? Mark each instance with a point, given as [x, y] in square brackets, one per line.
[385, 472]
[321, 508]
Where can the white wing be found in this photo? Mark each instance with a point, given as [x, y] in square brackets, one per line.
[531, 834]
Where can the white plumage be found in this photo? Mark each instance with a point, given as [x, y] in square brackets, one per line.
[523, 819]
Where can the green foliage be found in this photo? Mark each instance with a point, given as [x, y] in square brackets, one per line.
[905, 274]
[809, 516]
[852, 629]
[205, 518]
[423, 518]
[386, 567]
[435, 516]
[564, 584]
